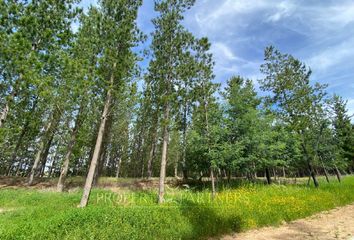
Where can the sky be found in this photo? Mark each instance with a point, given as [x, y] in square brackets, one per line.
[320, 33]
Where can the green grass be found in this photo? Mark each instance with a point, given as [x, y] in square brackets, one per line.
[187, 214]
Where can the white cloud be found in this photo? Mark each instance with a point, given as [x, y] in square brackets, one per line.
[283, 10]
[223, 52]
[338, 15]
[332, 55]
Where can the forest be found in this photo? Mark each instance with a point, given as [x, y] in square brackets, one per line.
[92, 101]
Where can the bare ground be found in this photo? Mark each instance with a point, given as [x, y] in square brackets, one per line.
[3, 210]
[73, 184]
[334, 224]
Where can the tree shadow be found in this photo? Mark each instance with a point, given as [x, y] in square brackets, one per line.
[221, 184]
[206, 222]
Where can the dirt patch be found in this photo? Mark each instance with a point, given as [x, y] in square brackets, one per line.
[75, 183]
[3, 210]
[335, 224]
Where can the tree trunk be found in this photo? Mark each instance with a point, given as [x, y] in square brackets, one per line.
[184, 144]
[99, 140]
[228, 175]
[139, 157]
[151, 155]
[20, 139]
[100, 169]
[4, 114]
[312, 174]
[118, 166]
[213, 192]
[100, 162]
[5, 111]
[339, 176]
[325, 170]
[47, 136]
[36, 162]
[309, 166]
[269, 179]
[176, 170]
[17, 147]
[164, 154]
[206, 113]
[142, 167]
[52, 165]
[326, 174]
[274, 174]
[45, 156]
[72, 142]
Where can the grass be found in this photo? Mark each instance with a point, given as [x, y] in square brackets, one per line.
[187, 214]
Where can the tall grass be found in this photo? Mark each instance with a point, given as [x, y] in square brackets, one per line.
[187, 214]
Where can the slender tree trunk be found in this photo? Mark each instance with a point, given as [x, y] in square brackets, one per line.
[19, 168]
[142, 167]
[152, 155]
[99, 140]
[164, 154]
[45, 156]
[137, 173]
[18, 145]
[5, 111]
[339, 176]
[309, 166]
[213, 191]
[52, 165]
[274, 174]
[184, 144]
[324, 170]
[118, 166]
[176, 170]
[47, 136]
[308, 181]
[72, 142]
[4, 114]
[312, 174]
[228, 175]
[267, 173]
[36, 162]
[254, 170]
[206, 113]
[99, 165]
[100, 169]
[326, 174]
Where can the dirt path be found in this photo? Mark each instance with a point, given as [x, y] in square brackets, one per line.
[335, 224]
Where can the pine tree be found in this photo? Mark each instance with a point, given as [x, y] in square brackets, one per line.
[118, 34]
[170, 40]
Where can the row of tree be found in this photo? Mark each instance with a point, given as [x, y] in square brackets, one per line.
[78, 103]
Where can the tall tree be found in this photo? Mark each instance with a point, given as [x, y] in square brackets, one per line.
[170, 39]
[243, 123]
[119, 33]
[342, 128]
[296, 101]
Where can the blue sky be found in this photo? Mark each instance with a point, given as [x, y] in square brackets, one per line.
[318, 32]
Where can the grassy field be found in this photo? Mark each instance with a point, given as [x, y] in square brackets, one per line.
[187, 213]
